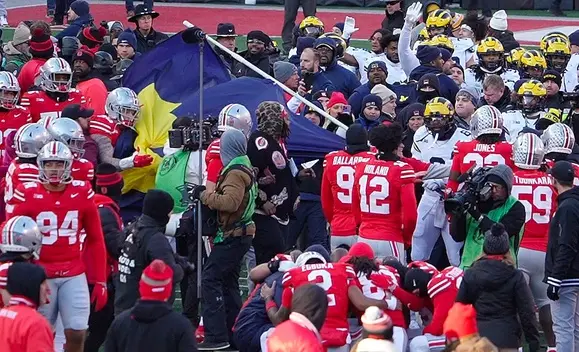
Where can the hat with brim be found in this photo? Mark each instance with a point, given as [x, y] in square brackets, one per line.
[141, 10]
[225, 30]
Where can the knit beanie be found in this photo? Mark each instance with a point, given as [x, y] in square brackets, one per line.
[337, 98]
[383, 92]
[158, 204]
[378, 64]
[311, 110]
[24, 280]
[552, 75]
[93, 37]
[109, 181]
[21, 34]
[499, 21]
[471, 93]
[80, 7]
[283, 70]
[427, 53]
[461, 322]
[574, 38]
[156, 282]
[503, 175]
[371, 100]
[430, 80]
[496, 240]
[356, 137]
[446, 55]
[304, 43]
[41, 44]
[115, 26]
[84, 54]
[259, 35]
[127, 37]
[361, 249]
[375, 321]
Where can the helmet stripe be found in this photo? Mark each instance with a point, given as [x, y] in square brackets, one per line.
[531, 148]
[54, 148]
[11, 223]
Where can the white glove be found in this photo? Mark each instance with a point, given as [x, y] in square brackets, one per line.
[413, 13]
[349, 27]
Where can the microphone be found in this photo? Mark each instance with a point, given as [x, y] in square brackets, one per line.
[193, 35]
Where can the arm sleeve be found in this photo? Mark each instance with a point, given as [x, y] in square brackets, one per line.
[106, 150]
[95, 243]
[213, 168]
[111, 231]
[70, 31]
[327, 197]
[409, 212]
[408, 59]
[525, 307]
[441, 307]
[231, 195]
[159, 248]
[455, 169]
[567, 251]
[413, 302]
[294, 104]
[416, 164]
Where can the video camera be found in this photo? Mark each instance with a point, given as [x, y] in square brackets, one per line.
[473, 185]
[189, 137]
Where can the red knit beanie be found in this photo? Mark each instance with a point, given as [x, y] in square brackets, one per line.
[337, 98]
[40, 44]
[84, 54]
[156, 282]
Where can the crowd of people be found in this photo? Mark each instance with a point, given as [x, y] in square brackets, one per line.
[447, 222]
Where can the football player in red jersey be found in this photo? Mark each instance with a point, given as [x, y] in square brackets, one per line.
[28, 141]
[383, 202]
[122, 107]
[12, 115]
[21, 242]
[486, 149]
[62, 208]
[56, 91]
[231, 116]
[338, 183]
[441, 289]
[559, 141]
[340, 283]
[533, 187]
[70, 133]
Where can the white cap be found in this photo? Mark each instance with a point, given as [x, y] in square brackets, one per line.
[499, 21]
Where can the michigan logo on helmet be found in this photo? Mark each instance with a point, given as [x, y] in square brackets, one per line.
[341, 44]
[311, 26]
[549, 36]
[423, 35]
[531, 96]
[438, 22]
[491, 55]
[513, 58]
[532, 64]
[442, 41]
[557, 54]
[438, 115]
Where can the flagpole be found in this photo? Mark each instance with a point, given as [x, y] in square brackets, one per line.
[265, 75]
[200, 172]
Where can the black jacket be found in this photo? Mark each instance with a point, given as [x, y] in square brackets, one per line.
[448, 89]
[393, 21]
[556, 101]
[260, 60]
[501, 298]
[150, 326]
[502, 104]
[562, 262]
[507, 38]
[147, 43]
[145, 242]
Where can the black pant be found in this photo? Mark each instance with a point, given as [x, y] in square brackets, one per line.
[308, 213]
[220, 288]
[189, 283]
[290, 14]
[61, 10]
[99, 322]
[270, 238]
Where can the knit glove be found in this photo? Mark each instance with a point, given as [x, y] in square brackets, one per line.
[99, 296]
[349, 27]
[413, 13]
[196, 192]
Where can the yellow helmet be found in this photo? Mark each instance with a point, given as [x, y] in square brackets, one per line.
[311, 26]
[438, 115]
[342, 45]
[513, 58]
[547, 37]
[423, 35]
[557, 54]
[442, 41]
[532, 88]
[531, 96]
[491, 55]
[533, 64]
[439, 19]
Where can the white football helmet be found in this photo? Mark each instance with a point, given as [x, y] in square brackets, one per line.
[235, 116]
[528, 151]
[56, 76]
[558, 138]
[49, 172]
[123, 106]
[9, 90]
[29, 139]
[486, 120]
[20, 234]
[307, 256]
[69, 132]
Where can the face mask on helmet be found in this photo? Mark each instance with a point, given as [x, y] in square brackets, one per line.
[492, 62]
[60, 82]
[127, 115]
[54, 171]
[530, 104]
[437, 124]
[557, 62]
[312, 32]
[76, 146]
[8, 98]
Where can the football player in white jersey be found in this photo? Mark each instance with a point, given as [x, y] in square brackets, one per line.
[529, 108]
[434, 143]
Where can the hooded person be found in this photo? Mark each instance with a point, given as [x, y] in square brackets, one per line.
[16, 51]
[22, 328]
[335, 206]
[141, 326]
[428, 88]
[494, 284]
[431, 61]
[144, 243]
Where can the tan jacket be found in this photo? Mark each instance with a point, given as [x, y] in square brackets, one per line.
[230, 200]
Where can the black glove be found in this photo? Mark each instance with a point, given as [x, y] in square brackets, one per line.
[196, 192]
[273, 265]
[188, 268]
[553, 292]
[474, 212]
[186, 224]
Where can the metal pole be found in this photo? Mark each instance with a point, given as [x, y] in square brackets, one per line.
[265, 75]
[200, 152]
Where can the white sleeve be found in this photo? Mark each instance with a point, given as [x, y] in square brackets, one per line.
[408, 59]
[173, 224]
[294, 104]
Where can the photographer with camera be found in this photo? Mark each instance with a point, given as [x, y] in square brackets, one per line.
[484, 200]
[234, 200]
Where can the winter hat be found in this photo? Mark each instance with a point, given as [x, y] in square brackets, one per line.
[21, 34]
[446, 55]
[574, 38]
[340, 26]
[375, 321]
[327, 42]
[259, 35]
[158, 204]
[93, 37]
[372, 100]
[356, 137]
[283, 70]
[84, 54]
[80, 7]
[156, 282]
[271, 117]
[562, 171]
[361, 249]
[383, 92]
[24, 280]
[127, 37]
[115, 25]
[40, 44]
[459, 67]
[378, 64]
[318, 248]
[310, 110]
[429, 80]
[232, 144]
[552, 75]
[109, 181]
[471, 93]
[499, 21]
[337, 98]
[461, 322]
[321, 94]
[503, 175]
[496, 240]
[427, 53]
[303, 43]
